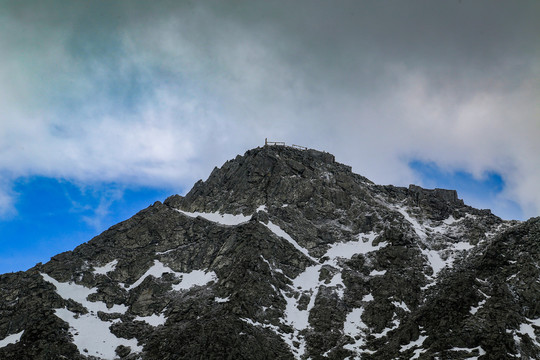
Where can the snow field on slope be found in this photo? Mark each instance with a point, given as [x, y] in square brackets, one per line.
[354, 326]
[308, 283]
[434, 257]
[91, 335]
[527, 329]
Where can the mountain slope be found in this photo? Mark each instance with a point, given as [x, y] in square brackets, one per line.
[286, 254]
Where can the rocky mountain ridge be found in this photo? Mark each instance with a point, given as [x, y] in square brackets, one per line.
[286, 254]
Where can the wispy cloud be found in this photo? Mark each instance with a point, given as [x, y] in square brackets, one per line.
[7, 200]
[103, 209]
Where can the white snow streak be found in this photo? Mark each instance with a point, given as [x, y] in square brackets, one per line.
[280, 233]
[416, 225]
[196, 277]
[478, 348]
[385, 331]
[156, 270]
[222, 219]
[463, 245]
[416, 343]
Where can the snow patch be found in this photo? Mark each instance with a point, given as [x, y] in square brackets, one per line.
[463, 245]
[353, 325]
[528, 330]
[401, 305]
[194, 278]
[103, 270]
[79, 293]
[435, 260]
[92, 336]
[474, 309]
[11, 339]
[450, 220]
[346, 250]
[355, 328]
[154, 320]
[367, 298]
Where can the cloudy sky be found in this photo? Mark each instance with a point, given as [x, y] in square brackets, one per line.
[108, 106]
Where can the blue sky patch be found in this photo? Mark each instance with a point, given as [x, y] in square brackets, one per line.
[483, 193]
[56, 215]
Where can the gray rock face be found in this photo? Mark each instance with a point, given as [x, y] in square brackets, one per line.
[286, 254]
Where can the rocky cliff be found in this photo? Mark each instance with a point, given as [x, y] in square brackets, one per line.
[286, 254]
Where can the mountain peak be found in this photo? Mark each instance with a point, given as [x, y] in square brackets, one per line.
[266, 175]
[285, 253]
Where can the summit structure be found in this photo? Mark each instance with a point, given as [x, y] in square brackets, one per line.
[284, 253]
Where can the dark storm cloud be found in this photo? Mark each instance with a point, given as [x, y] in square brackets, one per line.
[143, 90]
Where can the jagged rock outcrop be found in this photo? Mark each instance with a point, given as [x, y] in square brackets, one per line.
[286, 254]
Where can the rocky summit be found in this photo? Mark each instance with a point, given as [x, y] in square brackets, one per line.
[285, 253]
